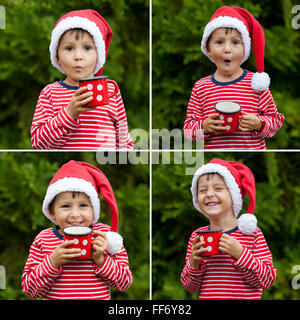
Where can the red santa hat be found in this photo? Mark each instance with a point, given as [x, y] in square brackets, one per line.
[239, 181]
[90, 21]
[249, 28]
[83, 177]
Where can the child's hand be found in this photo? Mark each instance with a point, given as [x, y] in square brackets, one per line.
[197, 249]
[62, 255]
[99, 245]
[211, 125]
[230, 246]
[78, 102]
[249, 122]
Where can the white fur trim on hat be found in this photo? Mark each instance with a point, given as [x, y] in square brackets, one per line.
[237, 201]
[260, 81]
[115, 242]
[82, 23]
[227, 22]
[71, 184]
[247, 223]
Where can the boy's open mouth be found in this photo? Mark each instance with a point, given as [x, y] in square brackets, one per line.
[212, 203]
[227, 60]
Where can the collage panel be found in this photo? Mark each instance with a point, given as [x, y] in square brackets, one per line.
[46, 47]
[240, 97]
[43, 194]
[184, 202]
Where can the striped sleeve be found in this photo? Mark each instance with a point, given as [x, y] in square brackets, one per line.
[269, 115]
[38, 275]
[193, 125]
[115, 271]
[49, 131]
[123, 138]
[256, 265]
[191, 277]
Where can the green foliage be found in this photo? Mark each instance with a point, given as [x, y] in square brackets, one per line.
[178, 61]
[24, 178]
[277, 210]
[25, 66]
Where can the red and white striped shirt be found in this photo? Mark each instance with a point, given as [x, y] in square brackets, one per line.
[104, 128]
[208, 91]
[81, 279]
[223, 277]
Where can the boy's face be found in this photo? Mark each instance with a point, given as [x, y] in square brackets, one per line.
[72, 209]
[214, 197]
[226, 49]
[77, 55]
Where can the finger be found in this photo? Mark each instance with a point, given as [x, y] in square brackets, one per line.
[72, 251]
[80, 91]
[195, 241]
[198, 245]
[98, 248]
[214, 116]
[85, 96]
[72, 256]
[217, 128]
[85, 101]
[67, 243]
[100, 234]
[217, 122]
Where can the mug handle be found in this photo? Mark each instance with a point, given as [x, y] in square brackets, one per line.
[116, 88]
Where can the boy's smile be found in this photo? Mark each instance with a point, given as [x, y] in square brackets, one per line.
[71, 209]
[213, 196]
[77, 55]
[226, 49]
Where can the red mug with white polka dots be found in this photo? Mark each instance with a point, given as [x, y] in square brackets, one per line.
[229, 112]
[211, 239]
[82, 239]
[99, 87]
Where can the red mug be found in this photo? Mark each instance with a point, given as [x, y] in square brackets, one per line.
[229, 112]
[99, 87]
[211, 239]
[82, 240]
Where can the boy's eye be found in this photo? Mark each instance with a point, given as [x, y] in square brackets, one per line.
[64, 206]
[219, 41]
[68, 48]
[84, 205]
[235, 42]
[202, 190]
[88, 47]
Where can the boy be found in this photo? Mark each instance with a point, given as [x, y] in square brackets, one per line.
[78, 48]
[52, 270]
[226, 42]
[243, 268]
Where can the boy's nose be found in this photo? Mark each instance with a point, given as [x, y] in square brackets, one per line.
[78, 54]
[210, 192]
[75, 213]
[227, 47]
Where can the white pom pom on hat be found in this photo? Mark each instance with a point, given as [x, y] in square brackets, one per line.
[239, 181]
[250, 29]
[83, 177]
